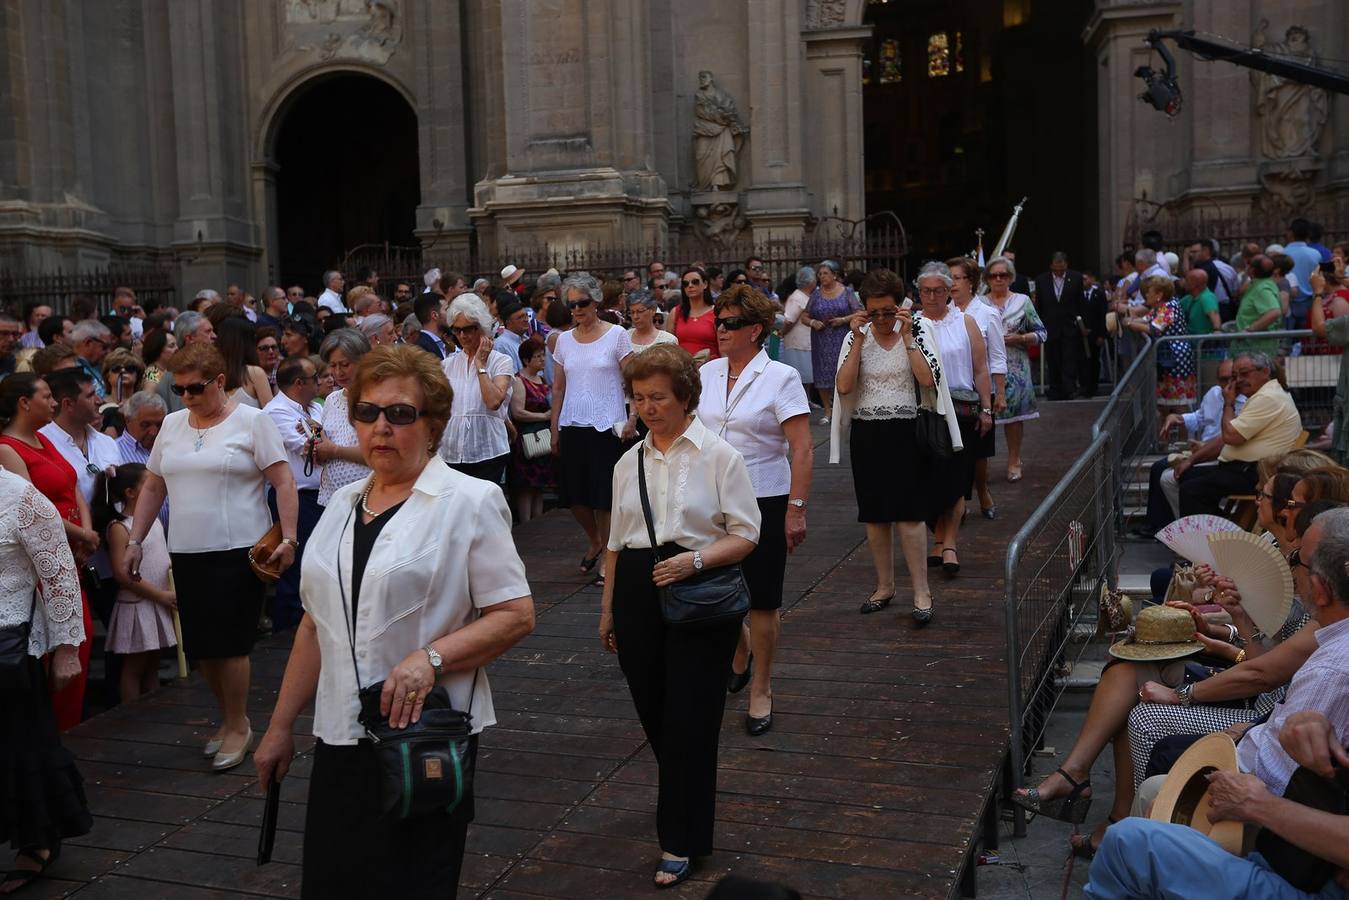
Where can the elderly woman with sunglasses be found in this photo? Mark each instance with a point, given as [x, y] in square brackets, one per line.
[213, 459]
[420, 558]
[759, 407]
[122, 372]
[590, 417]
[475, 441]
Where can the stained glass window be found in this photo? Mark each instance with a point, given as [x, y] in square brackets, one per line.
[960, 52]
[938, 55]
[891, 63]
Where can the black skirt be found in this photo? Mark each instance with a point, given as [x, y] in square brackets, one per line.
[585, 471]
[985, 447]
[41, 792]
[348, 852]
[890, 473]
[953, 479]
[219, 601]
[766, 564]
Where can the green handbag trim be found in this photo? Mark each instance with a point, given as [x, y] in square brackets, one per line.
[407, 779]
[458, 778]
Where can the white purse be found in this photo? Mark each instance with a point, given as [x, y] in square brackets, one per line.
[536, 443]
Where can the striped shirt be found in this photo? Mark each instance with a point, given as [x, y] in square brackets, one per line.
[133, 452]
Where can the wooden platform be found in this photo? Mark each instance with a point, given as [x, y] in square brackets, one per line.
[886, 745]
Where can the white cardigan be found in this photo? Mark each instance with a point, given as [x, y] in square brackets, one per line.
[936, 398]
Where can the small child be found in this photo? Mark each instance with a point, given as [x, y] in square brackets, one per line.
[141, 624]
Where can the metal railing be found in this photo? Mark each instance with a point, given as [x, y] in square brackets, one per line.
[1070, 544]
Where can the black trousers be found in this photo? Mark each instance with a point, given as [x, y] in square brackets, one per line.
[1159, 511]
[286, 607]
[677, 677]
[493, 470]
[1063, 361]
[1203, 487]
[1089, 376]
[348, 852]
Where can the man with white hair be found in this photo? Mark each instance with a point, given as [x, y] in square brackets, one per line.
[204, 300]
[144, 412]
[188, 328]
[92, 341]
[331, 298]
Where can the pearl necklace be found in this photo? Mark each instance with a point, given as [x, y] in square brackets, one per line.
[365, 495]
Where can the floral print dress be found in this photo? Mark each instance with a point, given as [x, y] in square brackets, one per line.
[1019, 317]
[1176, 382]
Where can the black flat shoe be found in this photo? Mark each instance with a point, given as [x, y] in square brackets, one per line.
[679, 868]
[736, 683]
[24, 877]
[876, 605]
[756, 725]
[989, 512]
[922, 616]
[950, 568]
[934, 562]
[588, 562]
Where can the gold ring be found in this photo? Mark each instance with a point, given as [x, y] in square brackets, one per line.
[411, 697]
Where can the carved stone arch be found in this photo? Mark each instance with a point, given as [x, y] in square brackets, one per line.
[273, 112]
[822, 14]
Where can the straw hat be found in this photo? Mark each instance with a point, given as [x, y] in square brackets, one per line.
[1160, 632]
[1184, 798]
[511, 274]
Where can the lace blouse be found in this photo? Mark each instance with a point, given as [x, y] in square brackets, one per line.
[337, 428]
[34, 552]
[594, 395]
[886, 388]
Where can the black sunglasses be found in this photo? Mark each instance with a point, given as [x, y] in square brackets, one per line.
[196, 390]
[579, 304]
[122, 370]
[741, 280]
[733, 323]
[467, 329]
[394, 413]
[882, 314]
[693, 282]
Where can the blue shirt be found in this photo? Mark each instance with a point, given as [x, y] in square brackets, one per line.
[1206, 423]
[509, 343]
[1305, 260]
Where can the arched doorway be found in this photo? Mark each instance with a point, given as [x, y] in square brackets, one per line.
[969, 105]
[346, 174]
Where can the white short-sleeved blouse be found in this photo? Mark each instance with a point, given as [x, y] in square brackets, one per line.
[445, 555]
[337, 428]
[216, 485]
[766, 394]
[594, 372]
[699, 488]
[474, 432]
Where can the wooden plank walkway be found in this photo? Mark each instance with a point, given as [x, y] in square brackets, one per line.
[886, 746]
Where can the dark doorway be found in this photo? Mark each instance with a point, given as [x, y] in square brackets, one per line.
[348, 175]
[969, 105]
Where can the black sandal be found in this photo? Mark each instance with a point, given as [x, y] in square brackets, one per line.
[588, 562]
[24, 877]
[875, 604]
[1071, 809]
[1085, 849]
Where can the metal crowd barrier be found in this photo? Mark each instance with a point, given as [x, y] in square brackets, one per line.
[1070, 545]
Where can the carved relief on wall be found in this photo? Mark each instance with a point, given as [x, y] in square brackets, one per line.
[826, 13]
[719, 221]
[364, 29]
[1291, 119]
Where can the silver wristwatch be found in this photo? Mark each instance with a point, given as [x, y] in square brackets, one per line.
[697, 560]
[1183, 693]
[798, 503]
[437, 661]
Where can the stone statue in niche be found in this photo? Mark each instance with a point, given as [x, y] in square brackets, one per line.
[825, 13]
[718, 134]
[1292, 115]
[364, 29]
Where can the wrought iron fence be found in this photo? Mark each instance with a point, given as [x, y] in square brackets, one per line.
[878, 245]
[1181, 227]
[60, 289]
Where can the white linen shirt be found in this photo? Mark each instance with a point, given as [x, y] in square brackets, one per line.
[331, 299]
[103, 452]
[445, 555]
[700, 492]
[989, 321]
[296, 424]
[217, 491]
[766, 394]
[474, 432]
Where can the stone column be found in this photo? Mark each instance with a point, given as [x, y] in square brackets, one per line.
[214, 235]
[776, 201]
[442, 217]
[833, 133]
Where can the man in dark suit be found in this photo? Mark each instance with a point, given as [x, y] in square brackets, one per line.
[1060, 300]
[429, 309]
[1094, 304]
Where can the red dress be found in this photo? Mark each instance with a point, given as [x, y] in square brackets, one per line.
[697, 333]
[55, 479]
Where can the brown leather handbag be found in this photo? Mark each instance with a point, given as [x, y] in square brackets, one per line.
[262, 551]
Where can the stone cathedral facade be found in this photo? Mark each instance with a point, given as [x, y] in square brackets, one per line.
[212, 136]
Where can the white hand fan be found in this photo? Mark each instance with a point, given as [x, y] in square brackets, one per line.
[1261, 575]
[1188, 537]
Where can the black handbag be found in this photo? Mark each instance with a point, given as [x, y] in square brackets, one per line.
[426, 767]
[934, 437]
[707, 598]
[14, 663]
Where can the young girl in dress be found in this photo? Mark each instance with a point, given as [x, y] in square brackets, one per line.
[141, 624]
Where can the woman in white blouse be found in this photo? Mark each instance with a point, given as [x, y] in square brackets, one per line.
[642, 309]
[342, 460]
[212, 459]
[420, 558]
[590, 417]
[705, 516]
[475, 441]
[760, 408]
[964, 281]
[885, 364]
[41, 792]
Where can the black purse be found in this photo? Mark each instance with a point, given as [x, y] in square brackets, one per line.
[426, 767]
[14, 663]
[934, 437]
[708, 598]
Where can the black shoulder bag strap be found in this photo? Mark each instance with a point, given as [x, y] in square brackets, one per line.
[646, 502]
